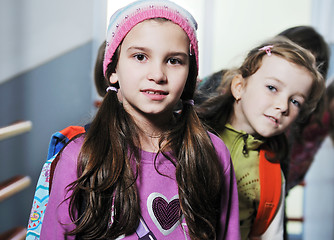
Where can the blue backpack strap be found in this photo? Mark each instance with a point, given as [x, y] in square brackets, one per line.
[41, 196]
[61, 138]
[57, 142]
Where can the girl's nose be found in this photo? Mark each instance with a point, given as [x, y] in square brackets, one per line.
[157, 73]
[282, 105]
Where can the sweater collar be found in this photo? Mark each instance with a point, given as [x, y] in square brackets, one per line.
[250, 142]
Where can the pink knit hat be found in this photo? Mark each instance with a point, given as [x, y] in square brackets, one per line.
[122, 21]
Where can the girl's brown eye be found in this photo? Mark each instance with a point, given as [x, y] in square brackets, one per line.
[140, 57]
[174, 61]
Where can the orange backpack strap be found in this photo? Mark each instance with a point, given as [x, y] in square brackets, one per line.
[270, 193]
[72, 131]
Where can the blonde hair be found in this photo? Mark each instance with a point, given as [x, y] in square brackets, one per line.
[294, 53]
[217, 110]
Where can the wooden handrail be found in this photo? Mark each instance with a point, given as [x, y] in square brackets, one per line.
[15, 129]
[18, 233]
[13, 185]
[292, 219]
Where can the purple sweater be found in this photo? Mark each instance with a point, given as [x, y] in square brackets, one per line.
[159, 197]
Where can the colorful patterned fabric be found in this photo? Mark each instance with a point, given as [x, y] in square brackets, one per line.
[40, 202]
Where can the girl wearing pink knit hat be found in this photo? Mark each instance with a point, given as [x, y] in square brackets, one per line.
[141, 170]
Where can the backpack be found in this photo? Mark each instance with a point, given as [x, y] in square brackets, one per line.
[41, 196]
[270, 194]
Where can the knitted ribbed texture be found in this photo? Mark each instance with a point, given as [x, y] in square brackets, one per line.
[122, 21]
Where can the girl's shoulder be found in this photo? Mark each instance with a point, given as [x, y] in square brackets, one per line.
[217, 142]
[65, 164]
[72, 149]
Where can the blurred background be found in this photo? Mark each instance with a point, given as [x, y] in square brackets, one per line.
[48, 50]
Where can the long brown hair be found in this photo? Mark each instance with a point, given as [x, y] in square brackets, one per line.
[107, 181]
[217, 110]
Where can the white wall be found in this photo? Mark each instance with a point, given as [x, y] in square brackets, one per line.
[323, 18]
[46, 53]
[36, 31]
[319, 195]
[242, 24]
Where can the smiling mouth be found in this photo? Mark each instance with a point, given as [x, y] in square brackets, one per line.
[275, 120]
[155, 92]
